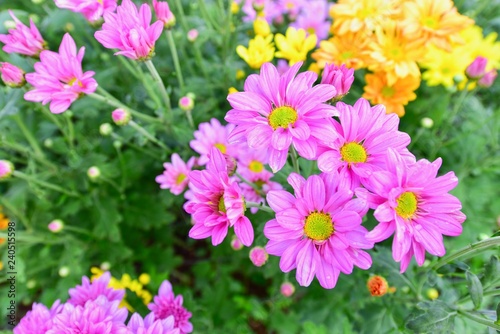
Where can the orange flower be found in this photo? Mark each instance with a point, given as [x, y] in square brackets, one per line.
[377, 285]
[349, 49]
[394, 96]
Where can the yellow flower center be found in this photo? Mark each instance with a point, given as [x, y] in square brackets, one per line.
[311, 31]
[318, 226]
[430, 22]
[222, 148]
[407, 205]
[222, 206]
[353, 153]
[282, 117]
[181, 177]
[346, 55]
[72, 81]
[388, 91]
[256, 166]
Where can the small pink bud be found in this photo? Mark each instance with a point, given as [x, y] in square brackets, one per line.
[186, 103]
[12, 75]
[287, 289]
[6, 169]
[488, 79]
[339, 77]
[121, 117]
[56, 226]
[258, 256]
[93, 173]
[236, 244]
[164, 14]
[477, 68]
[192, 35]
[258, 5]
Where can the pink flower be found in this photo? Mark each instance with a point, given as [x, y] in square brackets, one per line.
[217, 203]
[166, 304]
[121, 117]
[192, 35]
[175, 177]
[80, 294]
[282, 66]
[23, 40]
[236, 243]
[59, 78]
[38, 320]
[339, 77]
[164, 14]
[276, 111]
[6, 169]
[318, 231]
[186, 103]
[287, 289]
[313, 18]
[477, 68]
[149, 325]
[414, 205]
[258, 256]
[211, 135]
[487, 79]
[92, 10]
[56, 226]
[130, 31]
[365, 134]
[12, 75]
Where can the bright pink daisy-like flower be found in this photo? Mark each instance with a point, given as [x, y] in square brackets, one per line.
[217, 203]
[314, 19]
[276, 111]
[59, 78]
[261, 178]
[12, 75]
[38, 320]
[80, 294]
[149, 325]
[92, 10]
[130, 31]
[210, 135]
[23, 40]
[318, 231]
[415, 205]
[166, 304]
[175, 176]
[365, 134]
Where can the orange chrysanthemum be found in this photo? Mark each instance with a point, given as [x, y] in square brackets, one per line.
[436, 22]
[349, 49]
[377, 285]
[394, 96]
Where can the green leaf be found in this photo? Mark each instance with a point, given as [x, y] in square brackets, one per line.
[434, 317]
[498, 315]
[492, 270]
[475, 289]
[311, 328]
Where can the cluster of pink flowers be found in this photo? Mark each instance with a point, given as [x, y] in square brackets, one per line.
[94, 308]
[477, 71]
[92, 10]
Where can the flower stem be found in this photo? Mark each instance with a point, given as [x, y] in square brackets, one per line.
[146, 134]
[479, 319]
[295, 160]
[182, 16]
[29, 136]
[175, 57]
[494, 292]
[190, 118]
[259, 206]
[156, 77]
[251, 184]
[17, 213]
[47, 185]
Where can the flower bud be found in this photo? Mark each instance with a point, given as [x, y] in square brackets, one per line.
[144, 279]
[186, 103]
[427, 122]
[287, 289]
[432, 294]
[12, 76]
[64, 271]
[261, 27]
[117, 144]
[93, 173]
[48, 143]
[31, 284]
[258, 5]
[9, 24]
[192, 35]
[240, 74]
[121, 117]
[105, 129]
[488, 79]
[477, 68]
[105, 266]
[56, 226]
[339, 77]
[236, 243]
[377, 285]
[6, 169]
[164, 14]
[258, 256]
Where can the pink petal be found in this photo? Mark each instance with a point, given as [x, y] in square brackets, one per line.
[244, 231]
[306, 263]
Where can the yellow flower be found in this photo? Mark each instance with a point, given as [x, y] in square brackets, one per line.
[240, 74]
[295, 45]
[487, 47]
[232, 90]
[235, 8]
[260, 50]
[1, 265]
[144, 279]
[315, 68]
[444, 68]
[261, 27]
[394, 96]
[436, 22]
[349, 49]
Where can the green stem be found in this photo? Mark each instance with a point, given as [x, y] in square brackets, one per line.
[146, 134]
[175, 57]
[459, 103]
[71, 133]
[156, 77]
[259, 206]
[209, 19]
[469, 250]
[182, 16]
[138, 148]
[125, 62]
[26, 151]
[17, 213]
[190, 118]
[77, 230]
[29, 137]
[148, 86]
[295, 160]
[47, 185]
[494, 292]
[479, 319]
[251, 184]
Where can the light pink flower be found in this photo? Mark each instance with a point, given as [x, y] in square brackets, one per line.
[276, 111]
[12, 75]
[59, 78]
[38, 320]
[217, 203]
[477, 68]
[313, 18]
[339, 77]
[130, 31]
[192, 35]
[364, 135]
[23, 40]
[80, 294]
[487, 79]
[149, 325]
[414, 205]
[92, 10]
[318, 231]
[175, 177]
[121, 116]
[163, 13]
[258, 256]
[287, 289]
[211, 135]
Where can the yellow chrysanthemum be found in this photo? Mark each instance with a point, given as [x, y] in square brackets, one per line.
[295, 45]
[444, 68]
[361, 15]
[392, 53]
[487, 47]
[436, 22]
[261, 27]
[348, 49]
[260, 50]
[235, 8]
[394, 96]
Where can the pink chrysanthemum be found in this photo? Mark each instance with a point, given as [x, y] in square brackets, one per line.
[12, 75]
[149, 325]
[276, 111]
[210, 135]
[59, 78]
[258, 256]
[314, 19]
[217, 203]
[23, 40]
[166, 304]
[365, 134]
[80, 294]
[175, 176]
[130, 31]
[98, 316]
[92, 10]
[38, 320]
[414, 204]
[318, 231]
[263, 183]
[340, 77]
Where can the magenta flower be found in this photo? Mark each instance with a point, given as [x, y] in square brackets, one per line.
[149, 325]
[313, 18]
[38, 320]
[276, 111]
[365, 134]
[23, 40]
[318, 231]
[487, 79]
[339, 77]
[175, 176]
[121, 117]
[164, 14]
[130, 31]
[166, 304]
[92, 10]
[414, 204]
[80, 294]
[59, 78]
[217, 203]
[12, 76]
[477, 68]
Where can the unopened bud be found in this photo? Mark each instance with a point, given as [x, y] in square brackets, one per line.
[11, 75]
[64, 271]
[236, 244]
[186, 103]
[48, 143]
[144, 279]
[377, 285]
[105, 129]
[6, 169]
[192, 35]
[427, 122]
[287, 289]
[258, 256]
[432, 294]
[94, 173]
[121, 117]
[105, 266]
[56, 226]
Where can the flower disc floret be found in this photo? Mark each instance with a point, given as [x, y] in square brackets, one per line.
[282, 117]
[407, 205]
[353, 153]
[318, 226]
